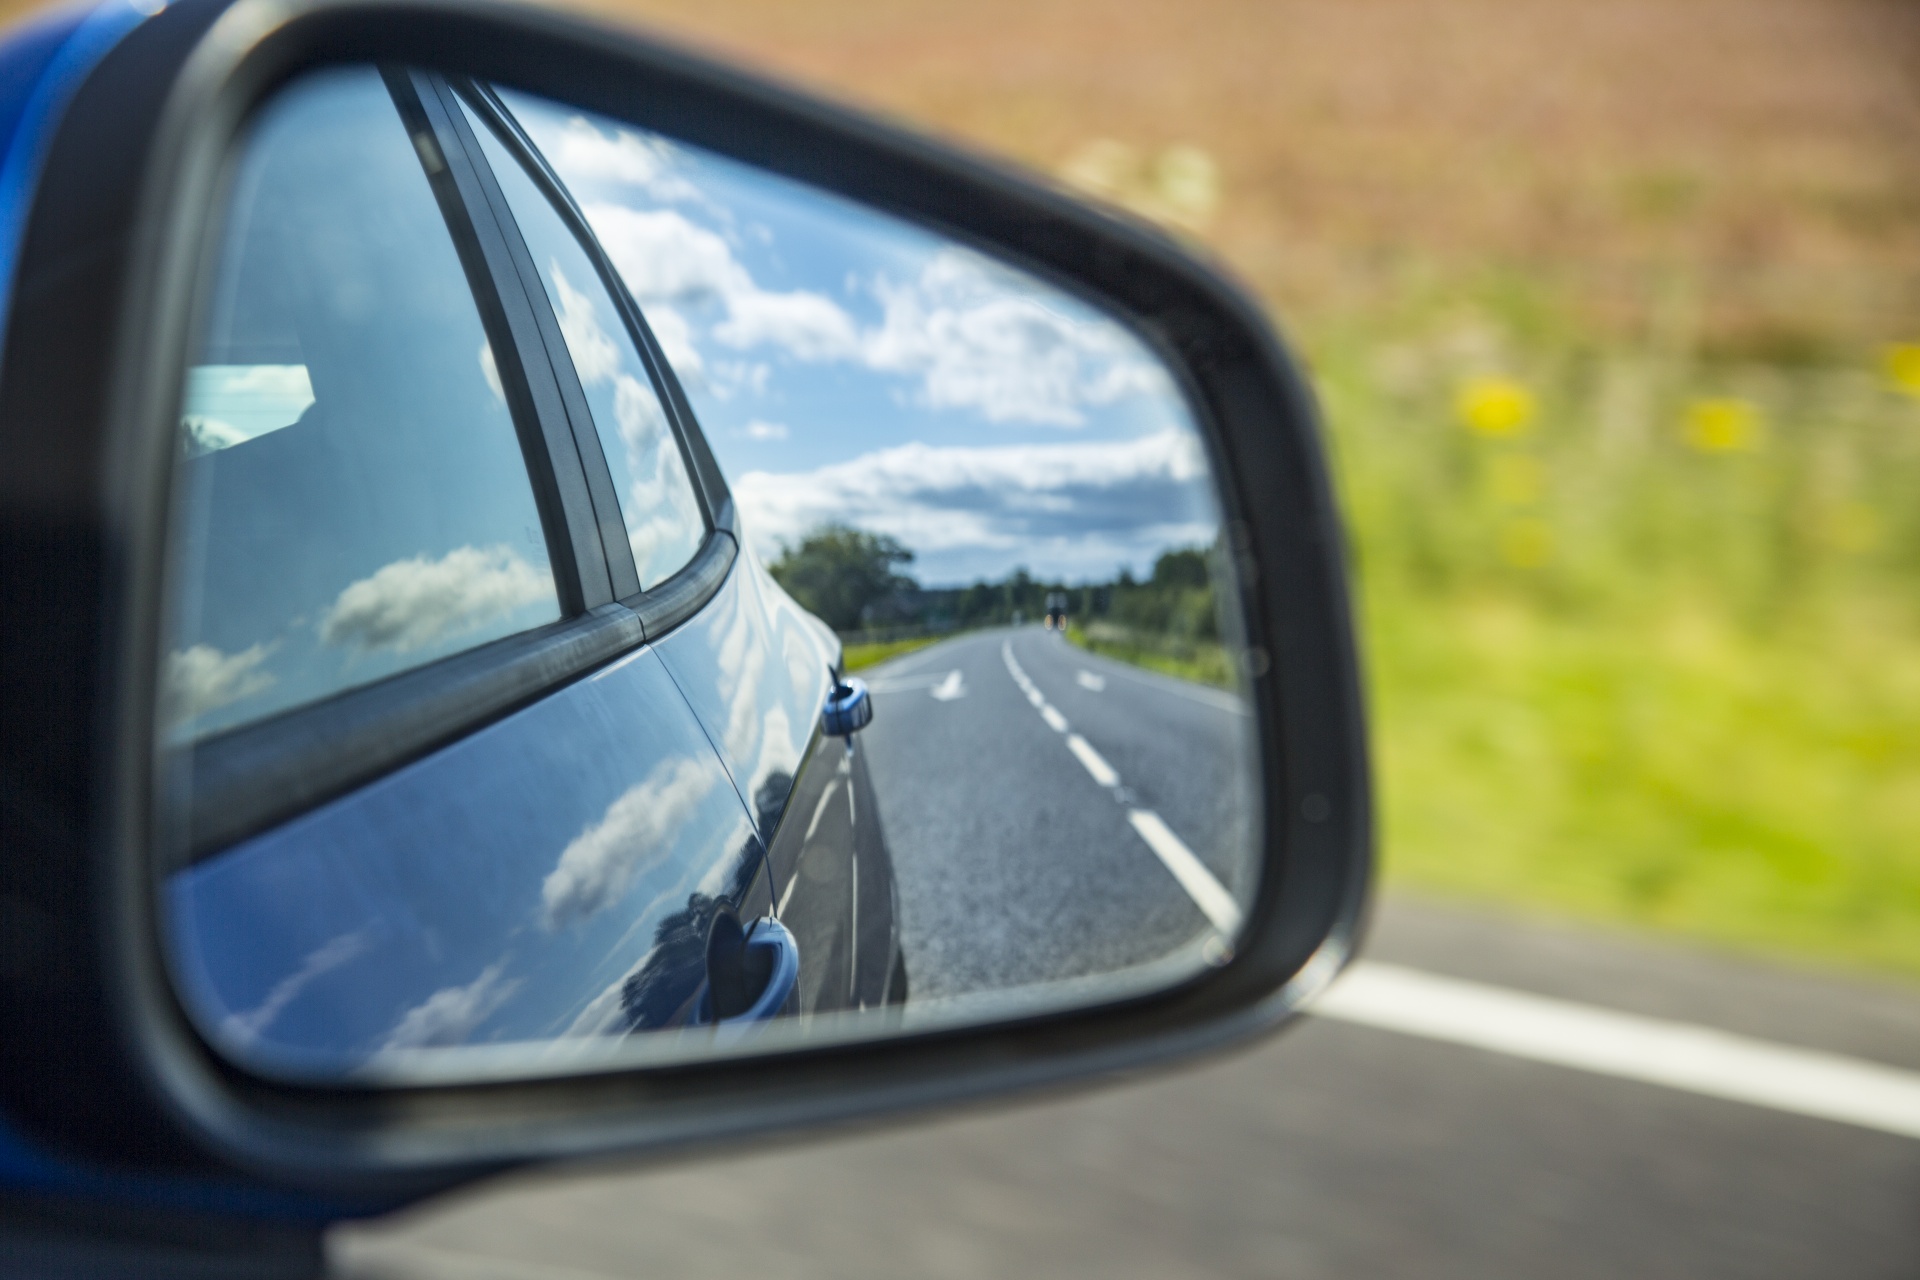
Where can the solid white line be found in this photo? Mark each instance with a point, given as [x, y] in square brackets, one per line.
[1207, 893]
[1102, 771]
[1679, 1055]
[1055, 721]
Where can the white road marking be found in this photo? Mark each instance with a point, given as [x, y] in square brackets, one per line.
[954, 686]
[902, 684]
[1097, 766]
[1088, 680]
[819, 810]
[1678, 1055]
[1207, 893]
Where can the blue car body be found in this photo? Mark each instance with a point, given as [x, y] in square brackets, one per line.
[435, 906]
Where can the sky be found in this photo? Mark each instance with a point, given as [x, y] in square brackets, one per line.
[848, 366]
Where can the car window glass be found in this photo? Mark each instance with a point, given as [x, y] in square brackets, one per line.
[657, 502]
[352, 499]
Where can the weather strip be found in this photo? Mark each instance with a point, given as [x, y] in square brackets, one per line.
[1679, 1055]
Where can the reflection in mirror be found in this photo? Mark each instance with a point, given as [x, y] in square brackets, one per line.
[958, 735]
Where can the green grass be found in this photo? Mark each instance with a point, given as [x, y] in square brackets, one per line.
[1191, 660]
[1616, 671]
[856, 657]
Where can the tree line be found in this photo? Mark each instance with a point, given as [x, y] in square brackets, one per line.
[857, 581]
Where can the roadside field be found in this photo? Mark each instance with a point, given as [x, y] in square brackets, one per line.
[1610, 308]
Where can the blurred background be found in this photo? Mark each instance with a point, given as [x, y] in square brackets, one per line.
[1614, 314]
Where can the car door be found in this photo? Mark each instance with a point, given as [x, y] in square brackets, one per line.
[756, 668]
[439, 790]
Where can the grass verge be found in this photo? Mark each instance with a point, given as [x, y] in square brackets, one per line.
[856, 657]
[1198, 661]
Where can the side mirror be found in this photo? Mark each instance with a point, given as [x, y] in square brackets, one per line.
[430, 741]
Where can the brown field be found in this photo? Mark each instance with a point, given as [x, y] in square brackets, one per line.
[1766, 148]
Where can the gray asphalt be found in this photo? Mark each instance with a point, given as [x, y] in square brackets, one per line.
[1014, 866]
[1328, 1151]
[1332, 1150]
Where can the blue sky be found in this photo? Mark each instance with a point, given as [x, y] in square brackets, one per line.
[849, 366]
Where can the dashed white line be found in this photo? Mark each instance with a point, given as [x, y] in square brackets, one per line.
[1088, 680]
[1678, 1055]
[1096, 765]
[1207, 892]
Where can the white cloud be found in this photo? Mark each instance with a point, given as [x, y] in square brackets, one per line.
[201, 678]
[758, 430]
[413, 603]
[663, 257]
[595, 358]
[980, 336]
[323, 959]
[585, 154]
[1086, 504]
[675, 336]
[974, 335]
[449, 1015]
[636, 834]
[490, 370]
[807, 326]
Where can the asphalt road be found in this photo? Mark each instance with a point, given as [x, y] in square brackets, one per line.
[1015, 864]
[1330, 1151]
[1333, 1150]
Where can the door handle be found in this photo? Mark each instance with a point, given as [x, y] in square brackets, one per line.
[770, 956]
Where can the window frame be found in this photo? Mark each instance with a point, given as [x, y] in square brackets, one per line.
[241, 781]
[710, 488]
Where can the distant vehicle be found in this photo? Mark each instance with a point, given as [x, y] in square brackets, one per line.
[1056, 611]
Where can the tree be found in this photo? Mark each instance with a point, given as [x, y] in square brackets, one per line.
[838, 573]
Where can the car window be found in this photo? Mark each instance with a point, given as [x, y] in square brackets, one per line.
[352, 497]
[657, 502]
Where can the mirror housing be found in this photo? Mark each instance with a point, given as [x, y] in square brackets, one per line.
[107, 1088]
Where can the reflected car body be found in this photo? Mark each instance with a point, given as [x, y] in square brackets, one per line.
[620, 855]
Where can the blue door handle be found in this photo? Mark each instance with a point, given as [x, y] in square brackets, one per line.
[768, 943]
[849, 707]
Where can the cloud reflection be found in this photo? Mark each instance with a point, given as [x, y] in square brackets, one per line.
[601, 863]
[413, 603]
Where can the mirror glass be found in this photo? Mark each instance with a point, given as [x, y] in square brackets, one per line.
[938, 713]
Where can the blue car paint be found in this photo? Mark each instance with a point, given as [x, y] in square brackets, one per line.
[756, 670]
[552, 875]
[486, 819]
[42, 63]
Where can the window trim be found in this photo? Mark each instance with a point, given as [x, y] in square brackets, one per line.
[242, 781]
[710, 486]
[519, 272]
[554, 468]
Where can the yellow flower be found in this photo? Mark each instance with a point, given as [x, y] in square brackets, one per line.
[1518, 479]
[1725, 425]
[1495, 406]
[1526, 544]
[1903, 366]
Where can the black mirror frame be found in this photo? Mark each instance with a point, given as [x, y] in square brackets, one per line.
[103, 1067]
